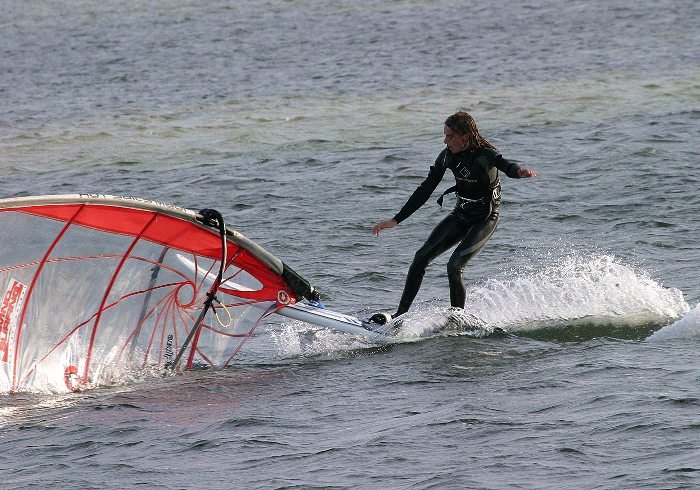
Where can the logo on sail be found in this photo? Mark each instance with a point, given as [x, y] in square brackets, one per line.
[10, 309]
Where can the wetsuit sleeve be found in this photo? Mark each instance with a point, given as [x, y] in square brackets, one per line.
[506, 166]
[423, 192]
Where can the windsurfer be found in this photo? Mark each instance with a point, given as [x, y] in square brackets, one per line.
[475, 164]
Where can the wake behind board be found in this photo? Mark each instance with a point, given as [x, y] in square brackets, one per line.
[323, 317]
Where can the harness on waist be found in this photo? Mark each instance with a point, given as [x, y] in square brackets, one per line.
[493, 196]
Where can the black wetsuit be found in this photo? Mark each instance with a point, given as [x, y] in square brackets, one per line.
[470, 224]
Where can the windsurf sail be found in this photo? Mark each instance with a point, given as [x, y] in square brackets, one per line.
[96, 284]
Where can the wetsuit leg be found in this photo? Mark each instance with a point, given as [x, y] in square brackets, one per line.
[477, 235]
[446, 234]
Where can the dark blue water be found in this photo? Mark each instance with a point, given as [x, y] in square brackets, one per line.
[305, 123]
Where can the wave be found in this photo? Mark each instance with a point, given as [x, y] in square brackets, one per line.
[578, 298]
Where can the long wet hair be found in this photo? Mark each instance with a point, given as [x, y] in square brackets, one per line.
[462, 123]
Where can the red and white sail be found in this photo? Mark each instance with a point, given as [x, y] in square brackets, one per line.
[91, 284]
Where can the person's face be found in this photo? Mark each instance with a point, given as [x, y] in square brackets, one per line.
[455, 142]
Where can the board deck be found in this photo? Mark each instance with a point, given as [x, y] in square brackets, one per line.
[323, 317]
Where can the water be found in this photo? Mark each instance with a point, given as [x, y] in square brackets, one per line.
[304, 123]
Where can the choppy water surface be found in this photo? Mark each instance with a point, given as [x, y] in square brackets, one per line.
[304, 123]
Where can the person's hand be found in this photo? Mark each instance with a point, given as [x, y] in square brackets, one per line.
[526, 172]
[390, 223]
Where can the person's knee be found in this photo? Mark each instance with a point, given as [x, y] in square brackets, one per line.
[421, 259]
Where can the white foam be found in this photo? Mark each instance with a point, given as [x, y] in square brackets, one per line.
[594, 290]
[298, 338]
[687, 327]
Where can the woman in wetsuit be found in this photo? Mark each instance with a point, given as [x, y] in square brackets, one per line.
[475, 164]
